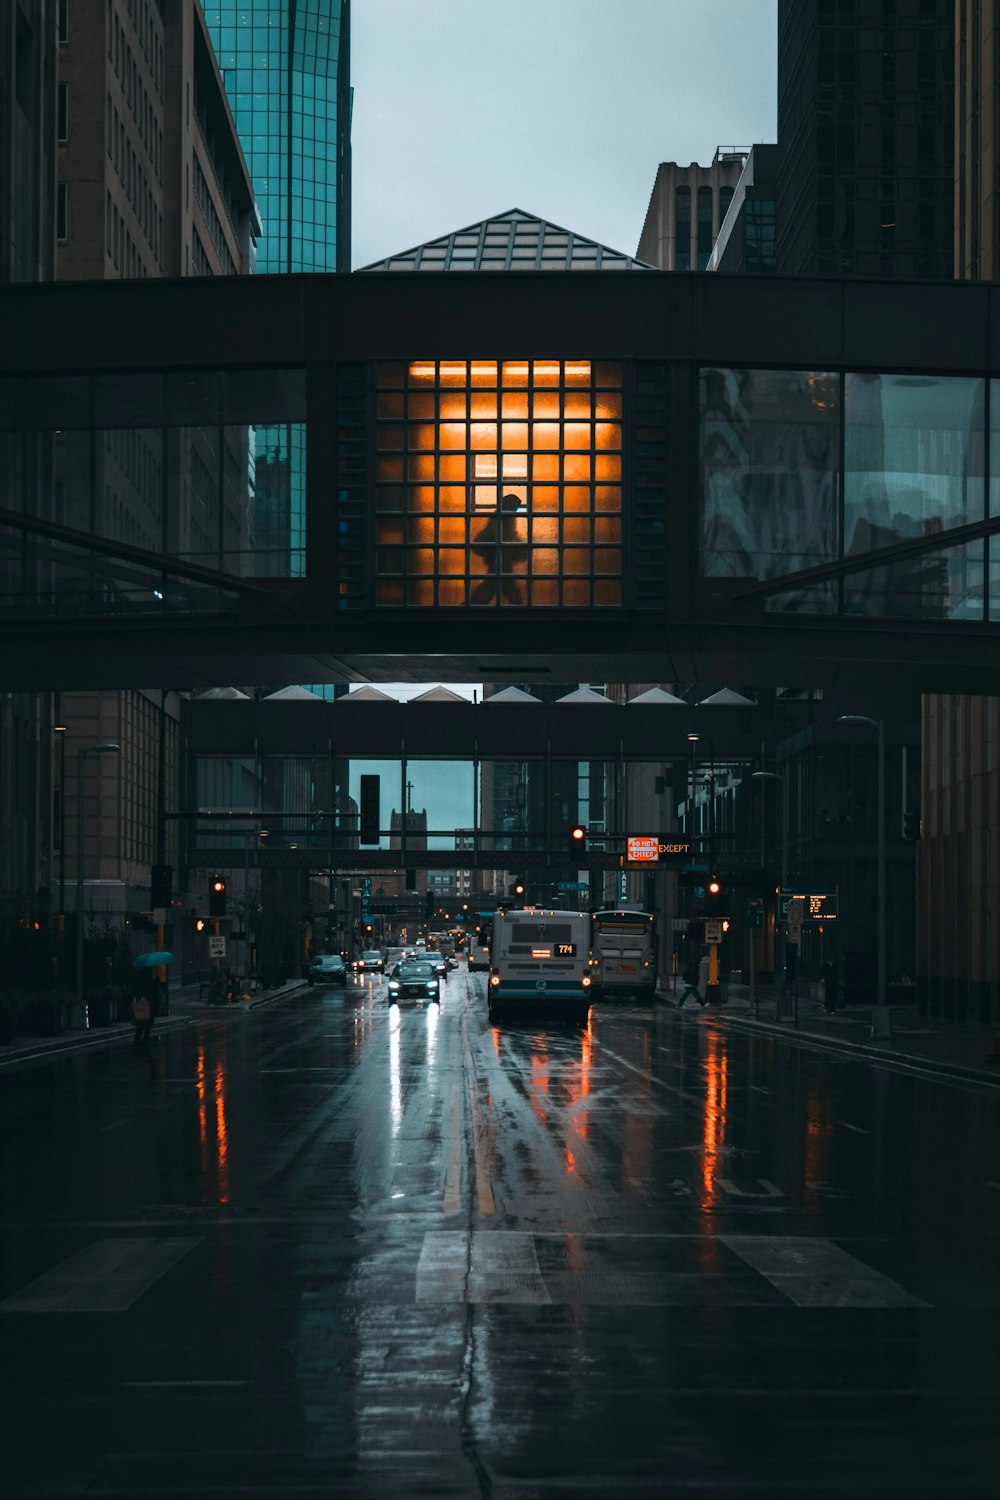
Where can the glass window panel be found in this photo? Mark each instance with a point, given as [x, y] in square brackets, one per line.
[609, 405]
[515, 374]
[545, 497]
[389, 437]
[420, 591]
[422, 559]
[544, 529]
[391, 498]
[913, 457]
[577, 406]
[453, 408]
[484, 372]
[484, 404]
[576, 529]
[420, 404]
[545, 466]
[768, 472]
[389, 468]
[545, 594]
[545, 560]
[454, 434]
[608, 592]
[545, 405]
[576, 592]
[451, 498]
[482, 435]
[576, 560]
[422, 372]
[576, 435]
[388, 593]
[453, 372]
[514, 404]
[576, 466]
[421, 497]
[452, 529]
[606, 530]
[545, 372]
[420, 468]
[452, 466]
[607, 560]
[421, 529]
[945, 585]
[608, 373]
[452, 591]
[390, 375]
[390, 559]
[576, 497]
[515, 435]
[422, 434]
[607, 497]
[607, 466]
[545, 434]
[608, 435]
[390, 405]
[451, 560]
[390, 531]
[577, 372]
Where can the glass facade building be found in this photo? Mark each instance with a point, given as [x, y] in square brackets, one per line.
[286, 68]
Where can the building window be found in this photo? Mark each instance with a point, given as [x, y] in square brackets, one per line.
[499, 484]
[62, 22]
[682, 215]
[704, 227]
[62, 112]
[61, 213]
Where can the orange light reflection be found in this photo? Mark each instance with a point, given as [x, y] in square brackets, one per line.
[221, 1136]
[714, 1128]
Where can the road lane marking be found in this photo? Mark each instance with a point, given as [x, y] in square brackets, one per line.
[817, 1273]
[768, 1189]
[846, 1125]
[453, 1170]
[494, 1266]
[480, 1130]
[107, 1276]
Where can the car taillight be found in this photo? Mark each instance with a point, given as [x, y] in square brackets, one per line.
[585, 981]
[494, 980]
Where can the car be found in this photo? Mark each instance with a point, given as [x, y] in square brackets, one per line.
[437, 961]
[479, 957]
[327, 968]
[408, 955]
[370, 961]
[414, 981]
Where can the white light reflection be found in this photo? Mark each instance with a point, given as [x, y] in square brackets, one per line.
[433, 1015]
[395, 1083]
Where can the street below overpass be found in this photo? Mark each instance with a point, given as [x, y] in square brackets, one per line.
[337, 1247]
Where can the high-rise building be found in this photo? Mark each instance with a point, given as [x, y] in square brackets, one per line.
[865, 137]
[958, 814]
[28, 39]
[686, 210]
[286, 68]
[747, 236]
[151, 182]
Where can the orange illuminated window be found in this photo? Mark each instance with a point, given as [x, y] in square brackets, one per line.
[510, 473]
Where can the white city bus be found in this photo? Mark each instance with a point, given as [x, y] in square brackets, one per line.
[623, 945]
[539, 959]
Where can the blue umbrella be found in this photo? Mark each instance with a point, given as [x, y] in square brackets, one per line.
[151, 960]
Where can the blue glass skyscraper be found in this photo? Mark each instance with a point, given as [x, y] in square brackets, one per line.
[286, 68]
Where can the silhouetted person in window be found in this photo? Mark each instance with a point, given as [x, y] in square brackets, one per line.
[502, 544]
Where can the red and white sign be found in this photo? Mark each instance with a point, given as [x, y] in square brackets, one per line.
[643, 850]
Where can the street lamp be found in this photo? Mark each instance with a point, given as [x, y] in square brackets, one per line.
[81, 756]
[880, 1018]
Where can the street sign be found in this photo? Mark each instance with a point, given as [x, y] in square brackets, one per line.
[642, 849]
[713, 931]
[675, 850]
[565, 885]
[755, 913]
[622, 886]
[679, 924]
[216, 947]
[815, 905]
[160, 916]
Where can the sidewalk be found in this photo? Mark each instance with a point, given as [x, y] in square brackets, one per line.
[184, 1007]
[960, 1050]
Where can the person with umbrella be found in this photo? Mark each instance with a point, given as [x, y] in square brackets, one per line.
[146, 995]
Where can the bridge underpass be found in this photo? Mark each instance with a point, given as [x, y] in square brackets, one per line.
[575, 477]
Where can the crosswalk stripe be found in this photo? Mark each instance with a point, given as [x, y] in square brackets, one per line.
[817, 1273]
[491, 1266]
[107, 1276]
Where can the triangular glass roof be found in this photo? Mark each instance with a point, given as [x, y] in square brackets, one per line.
[514, 241]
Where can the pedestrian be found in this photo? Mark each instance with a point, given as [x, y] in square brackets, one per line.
[501, 543]
[145, 1007]
[691, 991]
[831, 984]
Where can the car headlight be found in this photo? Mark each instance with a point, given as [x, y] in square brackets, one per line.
[393, 984]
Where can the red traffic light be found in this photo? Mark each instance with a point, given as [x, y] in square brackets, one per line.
[578, 834]
[218, 885]
[714, 885]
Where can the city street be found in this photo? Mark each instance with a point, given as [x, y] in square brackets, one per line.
[333, 1246]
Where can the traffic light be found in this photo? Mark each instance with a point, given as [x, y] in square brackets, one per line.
[519, 888]
[713, 886]
[369, 832]
[199, 924]
[716, 898]
[161, 885]
[217, 898]
[911, 825]
[578, 838]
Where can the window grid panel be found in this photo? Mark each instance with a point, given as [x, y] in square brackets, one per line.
[499, 484]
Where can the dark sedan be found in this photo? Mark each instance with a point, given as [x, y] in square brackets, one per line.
[328, 968]
[414, 981]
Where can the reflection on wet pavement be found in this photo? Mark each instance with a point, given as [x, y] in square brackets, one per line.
[338, 1246]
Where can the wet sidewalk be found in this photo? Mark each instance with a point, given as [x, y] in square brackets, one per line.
[186, 1003]
[961, 1049]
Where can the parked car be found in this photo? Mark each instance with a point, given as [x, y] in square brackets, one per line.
[479, 957]
[371, 961]
[327, 968]
[414, 981]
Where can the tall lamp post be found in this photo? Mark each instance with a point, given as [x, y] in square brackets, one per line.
[783, 877]
[880, 1018]
[81, 756]
[713, 991]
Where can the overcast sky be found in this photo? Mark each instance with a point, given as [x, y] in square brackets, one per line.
[563, 108]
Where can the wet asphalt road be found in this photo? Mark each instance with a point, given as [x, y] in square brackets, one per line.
[335, 1248]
